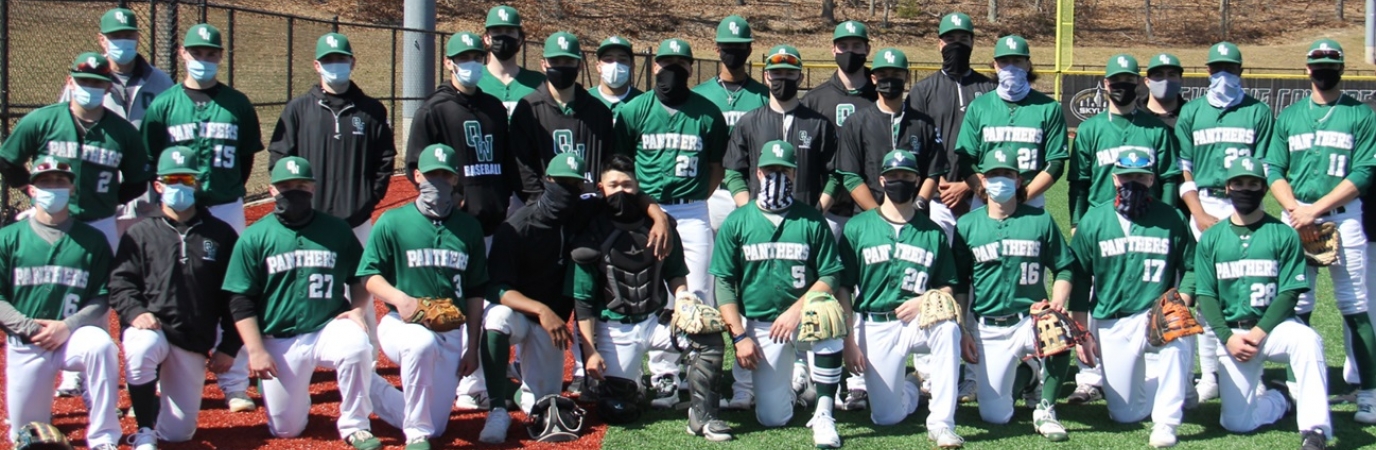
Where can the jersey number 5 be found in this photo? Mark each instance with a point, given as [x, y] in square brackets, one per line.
[799, 277]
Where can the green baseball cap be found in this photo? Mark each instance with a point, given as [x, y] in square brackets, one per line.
[1122, 63]
[565, 165]
[771, 63]
[92, 66]
[50, 164]
[463, 42]
[292, 168]
[437, 157]
[999, 158]
[956, 21]
[503, 16]
[1164, 60]
[562, 43]
[851, 29]
[1246, 166]
[202, 35]
[615, 42]
[1133, 161]
[333, 43]
[1011, 45]
[734, 30]
[118, 19]
[899, 160]
[1224, 52]
[674, 47]
[176, 160]
[1323, 51]
[890, 58]
[778, 153]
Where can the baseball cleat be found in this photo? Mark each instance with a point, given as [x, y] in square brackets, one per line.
[73, 385]
[1085, 393]
[1207, 389]
[799, 380]
[1044, 421]
[968, 391]
[856, 400]
[361, 440]
[419, 443]
[742, 401]
[146, 439]
[824, 431]
[494, 430]
[1162, 436]
[1366, 407]
[1313, 440]
[713, 430]
[666, 393]
[239, 402]
[478, 401]
[945, 438]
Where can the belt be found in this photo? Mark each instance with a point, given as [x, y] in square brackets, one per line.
[1245, 324]
[1214, 192]
[878, 317]
[628, 320]
[1336, 211]
[681, 201]
[1001, 321]
[283, 335]
[1119, 315]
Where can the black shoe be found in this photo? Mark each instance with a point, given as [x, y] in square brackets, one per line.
[1313, 440]
[576, 387]
[1284, 389]
[856, 400]
[1085, 394]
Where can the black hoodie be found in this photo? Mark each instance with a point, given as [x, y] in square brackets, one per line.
[476, 127]
[348, 142]
[542, 128]
[944, 98]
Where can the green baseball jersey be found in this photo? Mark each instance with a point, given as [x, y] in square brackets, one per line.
[296, 276]
[1315, 146]
[674, 149]
[424, 257]
[526, 81]
[52, 281]
[221, 132]
[109, 153]
[1099, 140]
[877, 252]
[1004, 260]
[773, 259]
[1245, 267]
[1211, 138]
[1131, 262]
[1034, 129]
[734, 103]
[585, 282]
[614, 106]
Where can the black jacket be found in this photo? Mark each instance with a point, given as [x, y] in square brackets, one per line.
[944, 99]
[541, 129]
[869, 135]
[811, 134]
[176, 275]
[348, 142]
[1169, 117]
[476, 126]
[833, 100]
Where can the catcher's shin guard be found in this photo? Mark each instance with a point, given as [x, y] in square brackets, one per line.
[704, 373]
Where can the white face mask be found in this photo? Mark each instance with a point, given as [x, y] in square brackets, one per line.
[1013, 84]
[1225, 89]
[615, 75]
[121, 51]
[200, 70]
[468, 73]
[88, 97]
[336, 74]
[1000, 189]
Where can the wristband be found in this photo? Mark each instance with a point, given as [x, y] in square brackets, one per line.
[1187, 187]
[737, 339]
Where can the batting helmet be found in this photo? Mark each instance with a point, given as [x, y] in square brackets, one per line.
[618, 400]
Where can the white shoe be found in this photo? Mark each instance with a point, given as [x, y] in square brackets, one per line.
[73, 385]
[1162, 436]
[1044, 421]
[105, 447]
[477, 401]
[824, 431]
[740, 401]
[1207, 389]
[239, 402]
[945, 438]
[144, 439]
[494, 431]
[1366, 407]
[799, 380]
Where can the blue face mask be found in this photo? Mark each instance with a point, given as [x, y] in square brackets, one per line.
[88, 97]
[468, 73]
[1225, 89]
[122, 51]
[200, 70]
[179, 197]
[1000, 189]
[336, 74]
[52, 201]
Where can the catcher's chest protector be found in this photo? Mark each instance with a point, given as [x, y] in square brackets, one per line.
[634, 285]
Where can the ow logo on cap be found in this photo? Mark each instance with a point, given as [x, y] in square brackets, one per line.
[673, 45]
[573, 162]
[888, 56]
[293, 167]
[1012, 44]
[1164, 59]
[1247, 164]
[204, 31]
[467, 39]
[1222, 49]
[1122, 62]
[1323, 46]
[850, 26]
[119, 15]
[179, 158]
[735, 28]
[778, 151]
[502, 13]
[955, 20]
[91, 61]
[1000, 156]
[440, 156]
[332, 41]
[563, 43]
[614, 40]
[898, 157]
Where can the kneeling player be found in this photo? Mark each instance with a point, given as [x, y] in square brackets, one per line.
[879, 247]
[1250, 273]
[287, 279]
[770, 258]
[1135, 234]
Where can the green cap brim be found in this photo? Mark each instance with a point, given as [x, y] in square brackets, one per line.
[179, 171]
[91, 76]
[1125, 171]
[1119, 71]
[899, 168]
[782, 66]
[1325, 61]
[561, 53]
[1225, 60]
[604, 47]
[118, 28]
[992, 166]
[334, 52]
[433, 166]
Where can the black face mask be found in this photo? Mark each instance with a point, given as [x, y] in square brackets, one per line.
[625, 207]
[1133, 199]
[561, 77]
[504, 47]
[293, 207]
[890, 88]
[1122, 93]
[850, 62]
[900, 191]
[734, 58]
[671, 85]
[1325, 79]
[783, 90]
[955, 59]
[558, 200]
[1246, 201]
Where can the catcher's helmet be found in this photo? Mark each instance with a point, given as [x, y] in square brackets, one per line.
[618, 400]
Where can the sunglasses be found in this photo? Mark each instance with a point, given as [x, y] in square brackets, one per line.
[1133, 163]
[181, 178]
[1326, 54]
[50, 165]
[783, 58]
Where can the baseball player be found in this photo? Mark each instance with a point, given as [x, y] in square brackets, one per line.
[1249, 275]
[53, 307]
[165, 287]
[1213, 130]
[1023, 120]
[1317, 165]
[734, 92]
[848, 90]
[287, 277]
[616, 71]
[426, 249]
[503, 78]
[1137, 233]
[1002, 250]
[1163, 84]
[768, 257]
[879, 247]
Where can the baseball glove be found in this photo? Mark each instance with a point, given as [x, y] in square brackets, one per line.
[1055, 332]
[822, 318]
[1320, 243]
[692, 316]
[937, 306]
[40, 436]
[1171, 320]
[437, 314]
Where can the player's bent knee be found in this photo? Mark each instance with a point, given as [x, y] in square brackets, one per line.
[498, 318]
